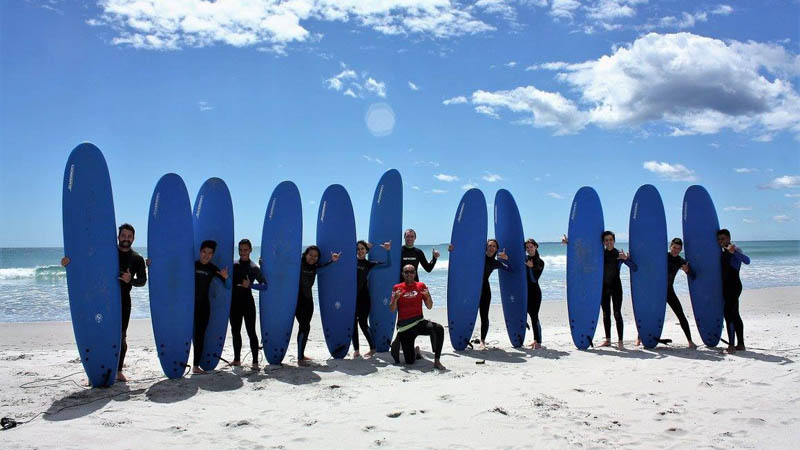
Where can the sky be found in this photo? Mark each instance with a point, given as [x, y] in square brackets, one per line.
[539, 97]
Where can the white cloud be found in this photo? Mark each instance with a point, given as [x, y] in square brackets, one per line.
[564, 9]
[349, 92]
[791, 195]
[416, 188]
[376, 87]
[722, 10]
[745, 170]
[749, 221]
[372, 159]
[426, 163]
[540, 109]
[487, 111]
[555, 195]
[355, 85]
[671, 172]
[606, 10]
[782, 218]
[469, 186]
[445, 177]
[492, 177]
[511, 64]
[413, 86]
[455, 100]
[169, 25]
[556, 65]
[738, 208]
[784, 182]
[438, 191]
[204, 106]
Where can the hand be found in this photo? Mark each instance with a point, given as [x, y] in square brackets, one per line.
[260, 262]
[64, 261]
[731, 248]
[147, 262]
[564, 239]
[425, 291]
[335, 256]
[502, 255]
[396, 294]
[369, 246]
[685, 268]
[529, 263]
[126, 277]
[245, 283]
[223, 273]
[622, 255]
[387, 245]
[450, 247]
[435, 254]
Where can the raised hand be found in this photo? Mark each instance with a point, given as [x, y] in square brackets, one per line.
[147, 262]
[622, 255]
[435, 254]
[502, 254]
[450, 247]
[564, 239]
[223, 273]
[126, 277]
[64, 261]
[387, 245]
[529, 263]
[335, 256]
[731, 248]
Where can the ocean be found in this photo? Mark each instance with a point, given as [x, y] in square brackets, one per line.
[33, 286]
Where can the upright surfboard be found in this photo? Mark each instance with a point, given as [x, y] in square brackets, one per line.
[700, 226]
[648, 244]
[584, 266]
[513, 285]
[336, 232]
[385, 224]
[281, 244]
[90, 241]
[170, 247]
[213, 220]
[465, 269]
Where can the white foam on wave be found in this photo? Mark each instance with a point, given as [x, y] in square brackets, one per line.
[22, 273]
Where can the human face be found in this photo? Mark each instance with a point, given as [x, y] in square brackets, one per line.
[530, 248]
[608, 242]
[408, 273]
[125, 240]
[723, 241]
[675, 249]
[312, 257]
[491, 248]
[410, 237]
[206, 254]
[361, 251]
[244, 252]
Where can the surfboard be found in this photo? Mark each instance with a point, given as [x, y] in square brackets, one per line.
[90, 241]
[648, 244]
[385, 224]
[170, 247]
[213, 220]
[700, 226]
[513, 285]
[465, 268]
[336, 232]
[584, 266]
[281, 244]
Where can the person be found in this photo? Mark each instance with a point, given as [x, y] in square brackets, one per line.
[132, 273]
[732, 259]
[490, 264]
[612, 286]
[309, 264]
[534, 266]
[363, 300]
[243, 307]
[414, 256]
[204, 272]
[407, 299]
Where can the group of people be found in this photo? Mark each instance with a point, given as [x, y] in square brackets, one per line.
[409, 294]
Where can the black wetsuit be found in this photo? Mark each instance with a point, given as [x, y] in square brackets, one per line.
[534, 294]
[674, 264]
[731, 290]
[415, 257]
[612, 290]
[203, 275]
[243, 306]
[489, 266]
[133, 262]
[305, 303]
[363, 299]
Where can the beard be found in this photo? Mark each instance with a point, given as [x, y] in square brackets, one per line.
[125, 243]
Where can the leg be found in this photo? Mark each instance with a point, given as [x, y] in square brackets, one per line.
[236, 329]
[123, 346]
[407, 339]
[355, 335]
[616, 297]
[738, 324]
[250, 326]
[675, 304]
[363, 322]
[201, 312]
[486, 300]
[534, 304]
[303, 313]
[605, 303]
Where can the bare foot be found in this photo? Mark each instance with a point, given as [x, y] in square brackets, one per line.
[417, 352]
[692, 345]
[730, 350]
[121, 377]
[370, 353]
[620, 346]
[197, 370]
[605, 343]
[740, 347]
[356, 354]
[255, 367]
[439, 365]
[482, 346]
[304, 361]
[536, 345]
[638, 342]
[236, 362]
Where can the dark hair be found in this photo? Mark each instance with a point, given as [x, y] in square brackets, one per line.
[411, 230]
[677, 241]
[609, 233]
[209, 244]
[362, 242]
[246, 242]
[725, 232]
[311, 247]
[126, 226]
[532, 241]
[497, 244]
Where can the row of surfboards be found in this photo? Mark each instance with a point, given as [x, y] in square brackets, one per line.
[176, 229]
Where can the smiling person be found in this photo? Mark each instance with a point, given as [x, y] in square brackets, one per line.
[414, 256]
[132, 272]
[612, 286]
[363, 300]
[243, 307]
[204, 273]
[534, 266]
[309, 264]
[732, 259]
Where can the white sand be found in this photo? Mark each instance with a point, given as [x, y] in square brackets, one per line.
[556, 397]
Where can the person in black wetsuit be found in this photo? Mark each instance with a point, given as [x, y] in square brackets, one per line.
[204, 273]
[363, 300]
[534, 266]
[612, 286]
[245, 274]
[732, 259]
[414, 256]
[309, 264]
[132, 272]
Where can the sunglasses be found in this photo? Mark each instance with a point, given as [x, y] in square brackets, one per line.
[410, 272]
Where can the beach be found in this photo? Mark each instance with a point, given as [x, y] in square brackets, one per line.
[555, 397]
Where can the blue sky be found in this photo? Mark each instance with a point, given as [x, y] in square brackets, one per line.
[538, 97]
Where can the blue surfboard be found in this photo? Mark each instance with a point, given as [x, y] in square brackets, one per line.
[336, 232]
[385, 224]
[700, 226]
[513, 285]
[648, 243]
[584, 266]
[90, 241]
[213, 220]
[465, 268]
[281, 244]
[170, 247]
